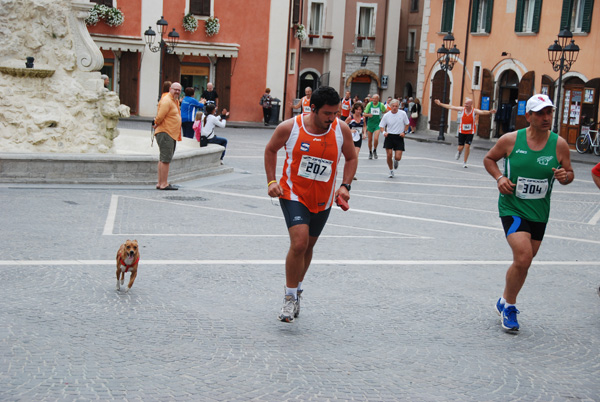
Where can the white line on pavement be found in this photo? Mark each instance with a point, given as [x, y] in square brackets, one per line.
[282, 262]
[109, 225]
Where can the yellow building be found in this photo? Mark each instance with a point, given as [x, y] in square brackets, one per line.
[504, 59]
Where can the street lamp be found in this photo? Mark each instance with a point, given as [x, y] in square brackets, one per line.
[447, 56]
[168, 46]
[562, 56]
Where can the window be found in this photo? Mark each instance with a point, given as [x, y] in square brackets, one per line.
[576, 15]
[292, 66]
[528, 16]
[410, 45]
[316, 19]
[476, 76]
[296, 12]
[365, 22]
[414, 6]
[481, 18]
[447, 16]
[200, 7]
[108, 3]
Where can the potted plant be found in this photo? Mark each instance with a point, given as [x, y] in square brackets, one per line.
[112, 16]
[212, 26]
[301, 32]
[190, 23]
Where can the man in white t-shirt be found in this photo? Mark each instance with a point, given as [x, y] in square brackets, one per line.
[394, 124]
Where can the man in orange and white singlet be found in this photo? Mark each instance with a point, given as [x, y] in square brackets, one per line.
[346, 106]
[305, 101]
[307, 188]
[466, 129]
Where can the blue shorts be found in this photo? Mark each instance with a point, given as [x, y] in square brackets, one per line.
[296, 213]
[513, 224]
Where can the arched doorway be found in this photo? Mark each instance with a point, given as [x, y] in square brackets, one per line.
[437, 92]
[307, 79]
[408, 90]
[361, 86]
[508, 93]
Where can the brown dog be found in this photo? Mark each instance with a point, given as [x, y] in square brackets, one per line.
[128, 257]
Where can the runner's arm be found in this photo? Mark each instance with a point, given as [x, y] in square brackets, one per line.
[564, 174]
[501, 150]
[277, 141]
[350, 164]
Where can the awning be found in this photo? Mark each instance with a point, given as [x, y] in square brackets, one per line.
[119, 43]
[208, 49]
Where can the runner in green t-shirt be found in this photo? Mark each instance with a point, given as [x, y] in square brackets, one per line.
[534, 158]
[374, 111]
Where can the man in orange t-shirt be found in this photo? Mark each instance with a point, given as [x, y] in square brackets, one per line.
[167, 128]
[313, 146]
[304, 102]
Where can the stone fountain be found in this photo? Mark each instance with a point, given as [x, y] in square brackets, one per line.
[58, 105]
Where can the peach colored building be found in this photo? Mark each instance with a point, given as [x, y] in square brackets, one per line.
[504, 60]
[249, 52]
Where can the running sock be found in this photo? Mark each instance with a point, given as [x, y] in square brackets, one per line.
[291, 291]
[507, 305]
[502, 300]
[299, 286]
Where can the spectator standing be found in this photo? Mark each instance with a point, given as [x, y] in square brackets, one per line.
[415, 112]
[265, 102]
[211, 95]
[167, 129]
[189, 107]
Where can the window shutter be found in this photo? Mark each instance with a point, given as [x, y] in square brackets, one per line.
[588, 7]
[519, 16]
[296, 12]
[537, 15]
[447, 15]
[565, 16]
[200, 7]
[474, 15]
[488, 17]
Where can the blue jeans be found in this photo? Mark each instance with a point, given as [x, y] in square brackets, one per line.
[220, 141]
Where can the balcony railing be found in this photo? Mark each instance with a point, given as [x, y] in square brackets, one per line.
[364, 44]
[318, 40]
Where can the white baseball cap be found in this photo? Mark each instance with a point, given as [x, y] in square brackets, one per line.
[538, 102]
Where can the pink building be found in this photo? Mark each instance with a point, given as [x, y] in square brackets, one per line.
[504, 60]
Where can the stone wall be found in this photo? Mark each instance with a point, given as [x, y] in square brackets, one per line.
[60, 105]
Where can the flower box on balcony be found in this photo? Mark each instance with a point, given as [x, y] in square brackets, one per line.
[313, 36]
[327, 36]
[370, 37]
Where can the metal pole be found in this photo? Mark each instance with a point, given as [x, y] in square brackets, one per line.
[443, 118]
[557, 104]
[160, 69]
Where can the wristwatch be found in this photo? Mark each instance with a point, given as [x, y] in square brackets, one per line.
[348, 186]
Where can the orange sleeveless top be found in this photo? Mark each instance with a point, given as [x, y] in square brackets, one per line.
[310, 166]
[467, 123]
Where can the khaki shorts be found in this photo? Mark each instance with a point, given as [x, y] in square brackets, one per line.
[166, 144]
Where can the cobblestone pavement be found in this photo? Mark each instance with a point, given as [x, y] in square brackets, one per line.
[398, 302]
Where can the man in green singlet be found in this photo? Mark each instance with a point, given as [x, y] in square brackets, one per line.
[534, 158]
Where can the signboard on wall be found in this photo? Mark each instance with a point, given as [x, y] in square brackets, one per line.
[521, 108]
[384, 82]
[485, 103]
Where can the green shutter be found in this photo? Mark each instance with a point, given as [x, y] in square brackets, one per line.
[565, 16]
[474, 15]
[588, 7]
[488, 17]
[537, 15]
[447, 15]
[519, 16]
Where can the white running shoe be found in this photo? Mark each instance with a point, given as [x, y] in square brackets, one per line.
[375, 154]
[465, 165]
[391, 174]
[395, 164]
[288, 311]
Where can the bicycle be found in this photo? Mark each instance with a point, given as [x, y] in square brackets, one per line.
[585, 141]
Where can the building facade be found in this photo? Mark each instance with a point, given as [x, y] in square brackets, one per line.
[504, 59]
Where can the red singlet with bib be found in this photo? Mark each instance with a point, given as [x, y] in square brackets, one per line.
[305, 105]
[310, 166]
[346, 105]
[467, 123]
